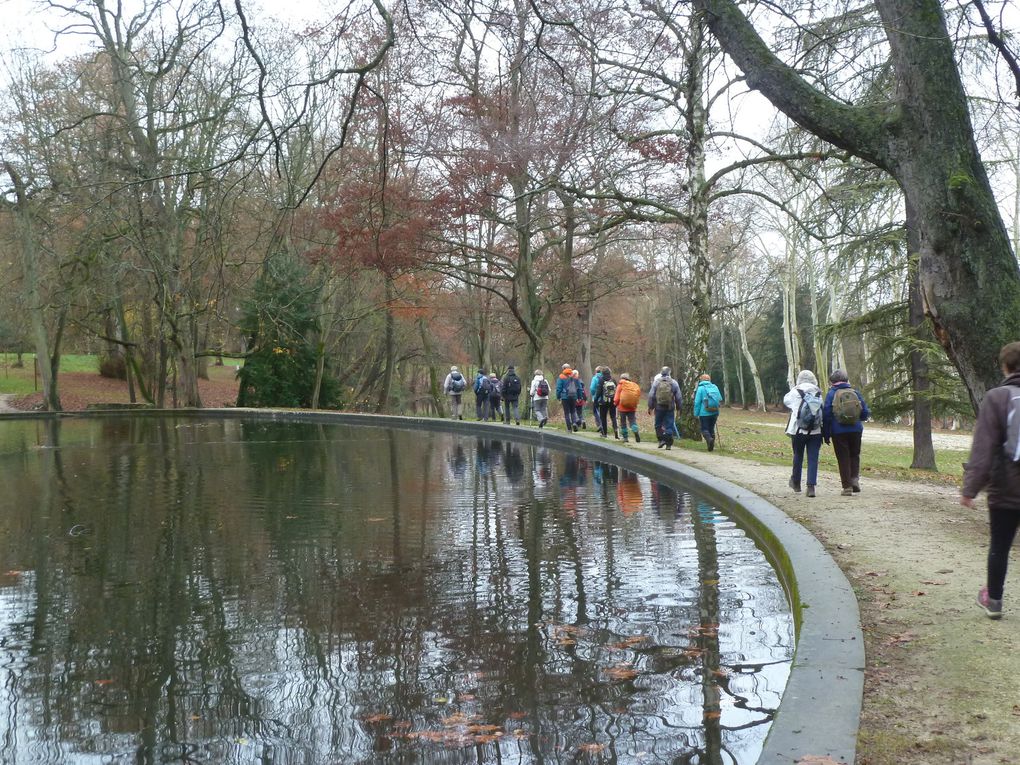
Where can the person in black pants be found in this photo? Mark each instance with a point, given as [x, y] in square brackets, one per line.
[993, 466]
[843, 419]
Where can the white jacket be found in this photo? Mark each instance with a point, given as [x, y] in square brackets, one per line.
[792, 402]
[534, 389]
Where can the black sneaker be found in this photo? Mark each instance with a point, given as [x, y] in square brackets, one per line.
[541, 423]
[584, 425]
[637, 437]
[992, 608]
[855, 485]
[711, 443]
[795, 486]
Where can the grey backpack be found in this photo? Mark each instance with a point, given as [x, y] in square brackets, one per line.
[1012, 444]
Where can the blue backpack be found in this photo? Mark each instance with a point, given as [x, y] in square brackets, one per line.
[712, 399]
[809, 415]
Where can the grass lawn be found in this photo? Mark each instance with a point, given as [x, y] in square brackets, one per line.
[22, 380]
[760, 437]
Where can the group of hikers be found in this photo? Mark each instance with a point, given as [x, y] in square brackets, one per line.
[834, 417]
[615, 401]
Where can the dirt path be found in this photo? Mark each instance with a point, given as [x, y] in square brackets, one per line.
[942, 680]
[893, 436]
[5, 402]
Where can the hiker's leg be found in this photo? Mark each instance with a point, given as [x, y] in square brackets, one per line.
[814, 446]
[612, 415]
[841, 446]
[1002, 524]
[799, 441]
[568, 413]
[854, 442]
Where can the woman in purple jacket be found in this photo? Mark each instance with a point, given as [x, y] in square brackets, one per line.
[843, 417]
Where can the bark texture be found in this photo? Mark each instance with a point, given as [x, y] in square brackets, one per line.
[923, 137]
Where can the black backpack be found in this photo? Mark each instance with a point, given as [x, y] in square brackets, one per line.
[512, 386]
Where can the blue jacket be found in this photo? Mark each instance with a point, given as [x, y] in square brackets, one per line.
[593, 386]
[561, 386]
[830, 425]
[700, 396]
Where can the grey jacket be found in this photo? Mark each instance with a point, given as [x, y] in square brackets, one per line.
[988, 466]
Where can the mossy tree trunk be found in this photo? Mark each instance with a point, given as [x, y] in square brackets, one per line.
[923, 137]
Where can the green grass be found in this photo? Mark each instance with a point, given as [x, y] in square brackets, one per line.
[761, 437]
[21, 380]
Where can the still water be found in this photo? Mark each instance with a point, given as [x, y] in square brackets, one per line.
[190, 590]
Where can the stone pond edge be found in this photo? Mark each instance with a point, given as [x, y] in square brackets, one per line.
[819, 714]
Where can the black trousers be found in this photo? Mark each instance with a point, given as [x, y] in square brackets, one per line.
[848, 456]
[607, 409]
[1002, 523]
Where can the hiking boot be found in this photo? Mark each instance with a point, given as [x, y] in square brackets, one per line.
[794, 485]
[847, 492]
[616, 434]
[624, 437]
[711, 443]
[518, 422]
[584, 425]
[637, 437]
[810, 490]
[855, 485]
[992, 607]
[460, 417]
[661, 444]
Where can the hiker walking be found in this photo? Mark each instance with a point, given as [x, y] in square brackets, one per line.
[627, 398]
[993, 466]
[582, 397]
[454, 387]
[804, 401]
[566, 394]
[707, 400]
[511, 394]
[664, 402]
[843, 419]
[481, 389]
[495, 398]
[539, 392]
[603, 399]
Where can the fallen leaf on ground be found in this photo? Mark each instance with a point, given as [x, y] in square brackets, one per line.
[817, 759]
[934, 582]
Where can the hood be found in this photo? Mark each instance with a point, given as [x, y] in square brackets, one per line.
[807, 376]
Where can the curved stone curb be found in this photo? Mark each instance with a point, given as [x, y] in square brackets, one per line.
[820, 708]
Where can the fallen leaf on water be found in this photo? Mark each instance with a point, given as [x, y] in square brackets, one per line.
[621, 672]
[104, 682]
[517, 715]
[379, 717]
[375, 520]
[591, 748]
[631, 641]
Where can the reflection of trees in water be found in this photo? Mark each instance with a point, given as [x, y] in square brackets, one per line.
[302, 601]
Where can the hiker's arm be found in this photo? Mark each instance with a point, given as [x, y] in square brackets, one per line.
[988, 437]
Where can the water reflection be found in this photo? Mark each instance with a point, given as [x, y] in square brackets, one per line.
[177, 590]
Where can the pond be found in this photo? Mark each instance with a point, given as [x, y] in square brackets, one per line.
[189, 590]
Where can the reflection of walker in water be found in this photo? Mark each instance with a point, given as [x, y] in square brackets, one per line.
[513, 464]
[666, 501]
[628, 492]
[458, 461]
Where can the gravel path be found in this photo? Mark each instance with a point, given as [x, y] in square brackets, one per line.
[5, 399]
[894, 436]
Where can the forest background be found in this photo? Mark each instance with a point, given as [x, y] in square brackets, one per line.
[346, 205]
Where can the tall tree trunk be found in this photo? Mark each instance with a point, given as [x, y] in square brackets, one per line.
[435, 387]
[586, 311]
[727, 387]
[791, 332]
[920, 383]
[33, 296]
[390, 350]
[759, 392]
[923, 137]
[740, 371]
